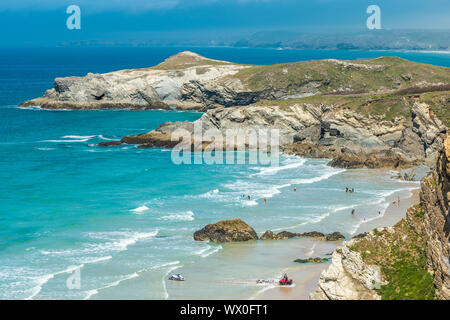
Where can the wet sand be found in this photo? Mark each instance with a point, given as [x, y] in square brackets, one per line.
[306, 276]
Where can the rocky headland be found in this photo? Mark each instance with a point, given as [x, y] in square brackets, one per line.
[377, 113]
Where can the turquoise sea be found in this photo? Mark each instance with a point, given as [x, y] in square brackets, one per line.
[124, 217]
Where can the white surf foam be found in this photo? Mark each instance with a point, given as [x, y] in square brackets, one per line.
[186, 216]
[91, 293]
[66, 141]
[45, 149]
[140, 209]
[211, 251]
[272, 170]
[324, 176]
[77, 137]
[41, 281]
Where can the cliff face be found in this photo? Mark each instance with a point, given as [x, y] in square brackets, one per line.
[435, 197]
[407, 261]
[149, 88]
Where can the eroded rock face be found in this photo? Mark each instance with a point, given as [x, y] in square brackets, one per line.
[226, 231]
[324, 131]
[147, 88]
[435, 196]
[348, 278]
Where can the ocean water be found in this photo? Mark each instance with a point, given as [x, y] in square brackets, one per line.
[124, 217]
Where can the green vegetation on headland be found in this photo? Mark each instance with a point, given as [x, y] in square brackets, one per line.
[401, 255]
[334, 76]
[187, 60]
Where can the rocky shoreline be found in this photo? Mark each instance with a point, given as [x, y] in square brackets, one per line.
[407, 261]
[236, 230]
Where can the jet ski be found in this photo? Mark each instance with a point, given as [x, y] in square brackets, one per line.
[176, 277]
[285, 281]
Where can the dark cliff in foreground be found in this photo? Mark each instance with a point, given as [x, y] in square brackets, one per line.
[410, 260]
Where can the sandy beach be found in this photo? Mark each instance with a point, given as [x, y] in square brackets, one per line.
[306, 276]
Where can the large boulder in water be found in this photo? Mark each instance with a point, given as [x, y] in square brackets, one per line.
[226, 231]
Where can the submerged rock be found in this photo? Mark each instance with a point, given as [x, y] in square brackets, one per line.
[110, 143]
[313, 234]
[226, 231]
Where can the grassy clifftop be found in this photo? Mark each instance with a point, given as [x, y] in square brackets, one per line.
[384, 73]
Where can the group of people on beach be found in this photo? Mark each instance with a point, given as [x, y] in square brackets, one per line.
[264, 199]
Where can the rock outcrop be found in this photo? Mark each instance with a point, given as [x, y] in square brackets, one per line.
[320, 129]
[348, 278]
[283, 235]
[226, 231]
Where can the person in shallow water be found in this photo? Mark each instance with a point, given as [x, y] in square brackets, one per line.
[264, 200]
[346, 189]
[248, 197]
[295, 188]
[353, 211]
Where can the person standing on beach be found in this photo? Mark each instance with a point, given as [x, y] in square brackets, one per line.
[398, 200]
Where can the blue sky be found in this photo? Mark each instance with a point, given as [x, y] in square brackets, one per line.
[32, 22]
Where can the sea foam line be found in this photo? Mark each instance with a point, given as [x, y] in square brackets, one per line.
[130, 276]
